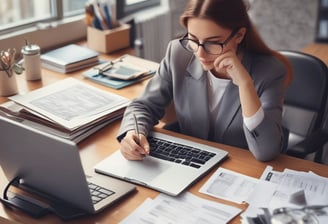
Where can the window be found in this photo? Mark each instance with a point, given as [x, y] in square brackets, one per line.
[14, 13]
[41, 22]
[73, 7]
[322, 22]
[128, 7]
[26, 13]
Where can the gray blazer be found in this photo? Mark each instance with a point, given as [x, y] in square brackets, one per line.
[181, 78]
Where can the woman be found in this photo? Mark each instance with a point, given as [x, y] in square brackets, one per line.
[227, 86]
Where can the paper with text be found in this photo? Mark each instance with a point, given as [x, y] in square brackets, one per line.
[71, 103]
[291, 189]
[186, 208]
[229, 185]
[290, 182]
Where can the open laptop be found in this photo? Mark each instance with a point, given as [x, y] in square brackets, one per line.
[162, 171]
[52, 166]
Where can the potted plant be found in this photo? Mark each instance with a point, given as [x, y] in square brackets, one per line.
[8, 65]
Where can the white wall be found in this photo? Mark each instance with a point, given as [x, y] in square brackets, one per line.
[285, 24]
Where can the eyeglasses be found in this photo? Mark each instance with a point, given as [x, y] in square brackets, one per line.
[210, 47]
[305, 215]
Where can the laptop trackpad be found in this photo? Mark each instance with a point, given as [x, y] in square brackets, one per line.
[146, 170]
[136, 171]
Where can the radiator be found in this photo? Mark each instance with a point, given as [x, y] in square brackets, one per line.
[152, 34]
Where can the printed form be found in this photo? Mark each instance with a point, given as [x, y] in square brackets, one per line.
[291, 189]
[186, 208]
[229, 185]
[71, 103]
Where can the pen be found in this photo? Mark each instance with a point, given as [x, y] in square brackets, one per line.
[136, 128]
[104, 67]
[108, 16]
[108, 65]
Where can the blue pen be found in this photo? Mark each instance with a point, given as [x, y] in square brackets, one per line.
[96, 23]
[108, 16]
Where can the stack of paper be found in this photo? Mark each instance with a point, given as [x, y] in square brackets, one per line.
[68, 108]
[69, 58]
[292, 190]
[289, 192]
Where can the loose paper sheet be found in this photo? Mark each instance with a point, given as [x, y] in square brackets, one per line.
[186, 208]
[229, 185]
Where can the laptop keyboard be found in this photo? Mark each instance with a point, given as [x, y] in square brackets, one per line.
[98, 193]
[175, 152]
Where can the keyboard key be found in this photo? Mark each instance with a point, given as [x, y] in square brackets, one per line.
[105, 191]
[195, 165]
[98, 193]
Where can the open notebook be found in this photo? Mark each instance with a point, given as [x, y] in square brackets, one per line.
[163, 171]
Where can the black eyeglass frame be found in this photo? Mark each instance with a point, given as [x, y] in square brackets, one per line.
[221, 44]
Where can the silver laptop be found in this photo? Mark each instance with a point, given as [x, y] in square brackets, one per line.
[162, 171]
[52, 165]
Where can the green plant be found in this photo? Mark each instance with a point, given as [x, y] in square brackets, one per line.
[8, 64]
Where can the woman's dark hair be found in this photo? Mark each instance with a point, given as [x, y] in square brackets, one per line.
[233, 15]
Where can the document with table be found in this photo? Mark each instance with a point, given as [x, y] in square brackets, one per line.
[68, 108]
[186, 208]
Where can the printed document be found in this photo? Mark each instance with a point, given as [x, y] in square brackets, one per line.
[297, 184]
[291, 189]
[186, 208]
[229, 185]
[71, 103]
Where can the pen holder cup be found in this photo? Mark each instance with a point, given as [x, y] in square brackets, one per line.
[107, 41]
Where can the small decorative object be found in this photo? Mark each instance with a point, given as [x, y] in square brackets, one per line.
[8, 67]
[32, 61]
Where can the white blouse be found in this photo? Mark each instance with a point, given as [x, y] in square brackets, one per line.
[216, 89]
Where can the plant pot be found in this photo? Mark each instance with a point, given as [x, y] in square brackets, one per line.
[8, 85]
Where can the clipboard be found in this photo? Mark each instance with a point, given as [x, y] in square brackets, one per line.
[97, 75]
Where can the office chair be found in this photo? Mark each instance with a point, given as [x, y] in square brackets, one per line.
[304, 106]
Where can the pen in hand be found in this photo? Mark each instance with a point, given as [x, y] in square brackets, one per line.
[136, 129]
[138, 139]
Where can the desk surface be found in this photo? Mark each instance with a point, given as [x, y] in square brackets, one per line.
[103, 143]
[319, 50]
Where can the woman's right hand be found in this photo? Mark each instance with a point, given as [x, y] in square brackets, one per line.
[131, 150]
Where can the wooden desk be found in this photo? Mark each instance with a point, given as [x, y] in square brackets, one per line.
[103, 143]
[319, 50]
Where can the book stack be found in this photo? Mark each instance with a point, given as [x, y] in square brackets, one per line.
[69, 108]
[69, 58]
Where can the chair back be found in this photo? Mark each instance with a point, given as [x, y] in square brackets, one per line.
[306, 97]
